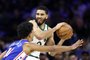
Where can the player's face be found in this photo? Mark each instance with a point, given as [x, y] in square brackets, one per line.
[41, 17]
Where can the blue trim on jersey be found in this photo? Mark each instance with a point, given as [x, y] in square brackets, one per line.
[14, 49]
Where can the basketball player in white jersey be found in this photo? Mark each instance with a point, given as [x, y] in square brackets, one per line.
[41, 16]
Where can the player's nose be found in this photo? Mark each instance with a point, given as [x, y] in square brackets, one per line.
[39, 16]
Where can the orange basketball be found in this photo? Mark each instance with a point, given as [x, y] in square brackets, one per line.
[65, 32]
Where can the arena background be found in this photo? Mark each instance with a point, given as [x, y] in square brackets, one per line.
[74, 12]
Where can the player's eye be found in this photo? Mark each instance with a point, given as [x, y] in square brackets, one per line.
[42, 14]
[37, 13]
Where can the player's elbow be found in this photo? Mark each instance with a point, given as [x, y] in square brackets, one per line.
[52, 49]
[39, 37]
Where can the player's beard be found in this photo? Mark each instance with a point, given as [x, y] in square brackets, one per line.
[39, 22]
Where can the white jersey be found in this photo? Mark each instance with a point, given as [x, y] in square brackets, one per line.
[36, 54]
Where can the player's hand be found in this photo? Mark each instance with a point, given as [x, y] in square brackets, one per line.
[77, 44]
[34, 24]
[67, 34]
[60, 25]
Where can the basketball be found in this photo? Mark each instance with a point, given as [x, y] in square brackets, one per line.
[65, 32]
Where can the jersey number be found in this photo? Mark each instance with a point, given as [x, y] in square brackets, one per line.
[39, 43]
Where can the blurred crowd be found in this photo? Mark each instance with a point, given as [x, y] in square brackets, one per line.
[74, 12]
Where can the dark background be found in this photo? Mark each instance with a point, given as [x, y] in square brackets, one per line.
[74, 12]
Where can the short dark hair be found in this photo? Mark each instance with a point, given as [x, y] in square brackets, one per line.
[42, 8]
[24, 29]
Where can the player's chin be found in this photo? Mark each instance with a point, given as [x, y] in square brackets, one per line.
[39, 24]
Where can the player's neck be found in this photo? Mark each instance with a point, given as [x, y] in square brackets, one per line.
[42, 26]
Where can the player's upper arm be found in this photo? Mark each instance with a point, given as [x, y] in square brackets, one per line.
[29, 47]
[35, 47]
[38, 33]
[50, 40]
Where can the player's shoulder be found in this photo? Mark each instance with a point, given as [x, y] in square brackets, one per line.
[48, 26]
[29, 46]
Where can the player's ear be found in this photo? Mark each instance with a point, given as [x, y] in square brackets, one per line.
[46, 16]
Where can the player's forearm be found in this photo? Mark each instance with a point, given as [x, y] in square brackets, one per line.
[62, 48]
[61, 42]
[45, 34]
[53, 48]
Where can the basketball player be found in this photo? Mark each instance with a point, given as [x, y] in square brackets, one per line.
[19, 50]
[41, 17]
